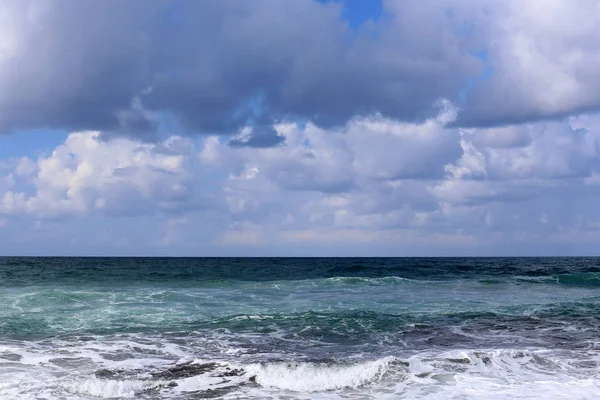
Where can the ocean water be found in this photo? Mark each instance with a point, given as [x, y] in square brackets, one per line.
[276, 328]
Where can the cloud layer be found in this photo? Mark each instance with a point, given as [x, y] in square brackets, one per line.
[373, 183]
[268, 127]
[214, 67]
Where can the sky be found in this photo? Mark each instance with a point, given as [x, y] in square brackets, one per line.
[300, 127]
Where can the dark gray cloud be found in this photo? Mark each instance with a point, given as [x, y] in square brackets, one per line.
[78, 64]
[215, 66]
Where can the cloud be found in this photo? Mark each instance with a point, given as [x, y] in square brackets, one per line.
[376, 178]
[218, 66]
[459, 124]
[372, 174]
[117, 177]
[545, 61]
[374, 182]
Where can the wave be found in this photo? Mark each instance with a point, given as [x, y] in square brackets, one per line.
[110, 388]
[349, 326]
[82, 294]
[586, 279]
[505, 373]
[203, 378]
[313, 377]
[343, 281]
[143, 366]
[115, 272]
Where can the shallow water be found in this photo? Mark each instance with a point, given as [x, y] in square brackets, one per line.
[498, 328]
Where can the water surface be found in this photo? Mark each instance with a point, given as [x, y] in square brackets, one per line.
[365, 328]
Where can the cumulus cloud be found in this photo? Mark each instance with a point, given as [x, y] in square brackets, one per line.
[540, 156]
[544, 55]
[373, 181]
[416, 180]
[119, 176]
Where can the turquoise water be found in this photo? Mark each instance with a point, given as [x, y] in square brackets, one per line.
[86, 328]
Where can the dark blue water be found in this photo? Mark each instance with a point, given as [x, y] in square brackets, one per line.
[84, 328]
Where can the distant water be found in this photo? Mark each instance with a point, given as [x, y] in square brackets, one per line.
[460, 328]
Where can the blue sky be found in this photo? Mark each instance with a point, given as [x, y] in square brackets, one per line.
[299, 128]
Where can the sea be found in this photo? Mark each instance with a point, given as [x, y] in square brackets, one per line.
[299, 328]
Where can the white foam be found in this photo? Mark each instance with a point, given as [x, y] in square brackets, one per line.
[498, 374]
[65, 369]
[311, 377]
[108, 388]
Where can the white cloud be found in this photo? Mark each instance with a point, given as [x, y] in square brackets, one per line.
[411, 181]
[545, 56]
[115, 176]
[555, 154]
[373, 182]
